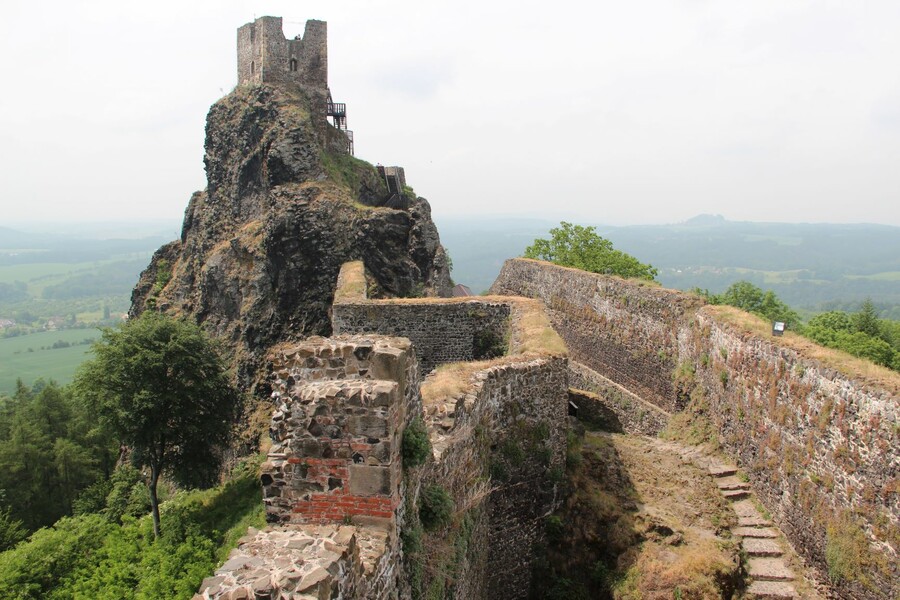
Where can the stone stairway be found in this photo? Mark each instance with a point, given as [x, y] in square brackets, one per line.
[771, 578]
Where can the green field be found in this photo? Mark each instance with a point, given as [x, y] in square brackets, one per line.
[58, 364]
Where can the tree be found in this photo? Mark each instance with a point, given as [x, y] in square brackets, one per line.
[866, 320]
[161, 385]
[748, 297]
[582, 248]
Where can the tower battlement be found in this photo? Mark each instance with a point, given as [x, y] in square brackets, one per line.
[266, 56]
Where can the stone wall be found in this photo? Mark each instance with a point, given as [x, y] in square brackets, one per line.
[609, 406]
[443, 330]
[502, 459]
[498, 441]
[624, 330]
[342, 405]
[821, 448]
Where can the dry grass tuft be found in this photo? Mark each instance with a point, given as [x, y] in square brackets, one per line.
[694, 571]
[532, 331]
[351, 283]
[859, 369]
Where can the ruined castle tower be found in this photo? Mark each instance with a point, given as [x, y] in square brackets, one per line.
[266, 56]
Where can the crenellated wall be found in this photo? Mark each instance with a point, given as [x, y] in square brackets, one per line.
[821, 448]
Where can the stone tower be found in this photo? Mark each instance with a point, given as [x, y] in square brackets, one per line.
[266, 56]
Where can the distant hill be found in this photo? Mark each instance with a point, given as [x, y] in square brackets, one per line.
[810, 266]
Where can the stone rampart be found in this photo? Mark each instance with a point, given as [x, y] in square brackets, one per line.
[498, 435]
[332, 481]
[500, 451]
[443, 330]
[624, 330]
[821, 448]
[610, 406]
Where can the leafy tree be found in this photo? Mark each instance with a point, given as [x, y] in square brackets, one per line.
[582, 248]
[748, 297]
[835, 319]
[12, 530]
[160, 384]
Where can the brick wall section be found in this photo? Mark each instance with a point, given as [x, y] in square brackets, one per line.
[440, 332]
[341, 407]
[625, 331]
[814, 442]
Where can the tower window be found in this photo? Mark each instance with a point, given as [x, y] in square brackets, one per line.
[293, 64]
[252, 67]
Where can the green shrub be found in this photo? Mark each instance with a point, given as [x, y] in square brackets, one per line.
[486, 345]
[415, 446]
[554, 527]
[435, 507]
[34, 568]
[846, 551]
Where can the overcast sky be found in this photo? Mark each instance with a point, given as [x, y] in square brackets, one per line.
[613, 112]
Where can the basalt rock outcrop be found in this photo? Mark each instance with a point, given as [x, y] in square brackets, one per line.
[284, 208]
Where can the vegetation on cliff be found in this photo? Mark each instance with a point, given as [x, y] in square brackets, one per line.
[861, 334]
[90, 556]
[160, 386]
[582, 248]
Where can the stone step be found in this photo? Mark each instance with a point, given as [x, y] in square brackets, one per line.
[721, 470]
[769, 569]
[755, 532]
[761, 547]
[748, 515]
[731, 483]
[771, 590]
[736, 494]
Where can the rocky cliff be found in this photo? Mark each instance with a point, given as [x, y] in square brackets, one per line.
[284, 208]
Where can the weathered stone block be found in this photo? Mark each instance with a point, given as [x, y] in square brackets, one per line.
[370, 426]
[367, 480]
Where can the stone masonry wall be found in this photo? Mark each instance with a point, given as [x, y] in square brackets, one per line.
[625, 331]
[341, 407]
[822, 450]
[264, 55]
[501, 460]
[611, 406]
[332, 480]
[498, 444]
[441, 331]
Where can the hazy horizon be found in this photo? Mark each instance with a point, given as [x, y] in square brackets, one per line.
[626, 115]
